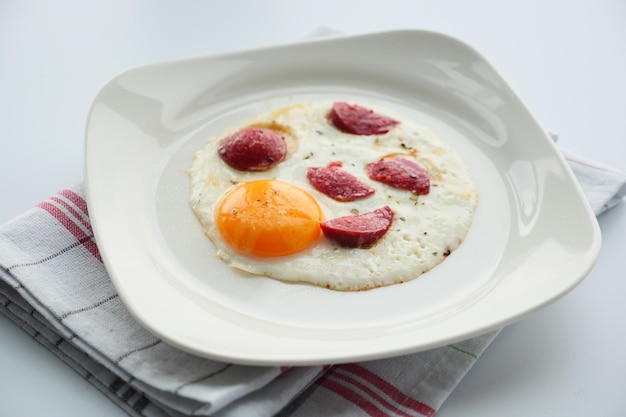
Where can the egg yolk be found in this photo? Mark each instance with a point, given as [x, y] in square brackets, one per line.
[268, 218]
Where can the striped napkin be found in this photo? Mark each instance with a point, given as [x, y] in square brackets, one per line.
[53, 285]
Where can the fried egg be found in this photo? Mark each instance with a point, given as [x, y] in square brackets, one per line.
[267, 222]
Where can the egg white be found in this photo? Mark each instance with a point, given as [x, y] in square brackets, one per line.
[425, 229]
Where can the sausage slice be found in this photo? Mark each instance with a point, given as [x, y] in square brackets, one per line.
[253, 149]
[361, 230]
[400, 173]
[359, 120]
[337, 183]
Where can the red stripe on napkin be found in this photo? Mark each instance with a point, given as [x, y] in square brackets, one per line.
[73, 212]
[72, 227]
[370, 392]
[76, 199]
[350, 396]
[386, 387]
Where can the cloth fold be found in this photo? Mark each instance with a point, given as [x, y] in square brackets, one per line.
[54, 286]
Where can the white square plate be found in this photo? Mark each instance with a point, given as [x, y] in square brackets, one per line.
[533, 239]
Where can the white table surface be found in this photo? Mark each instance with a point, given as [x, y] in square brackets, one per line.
[565, 59]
